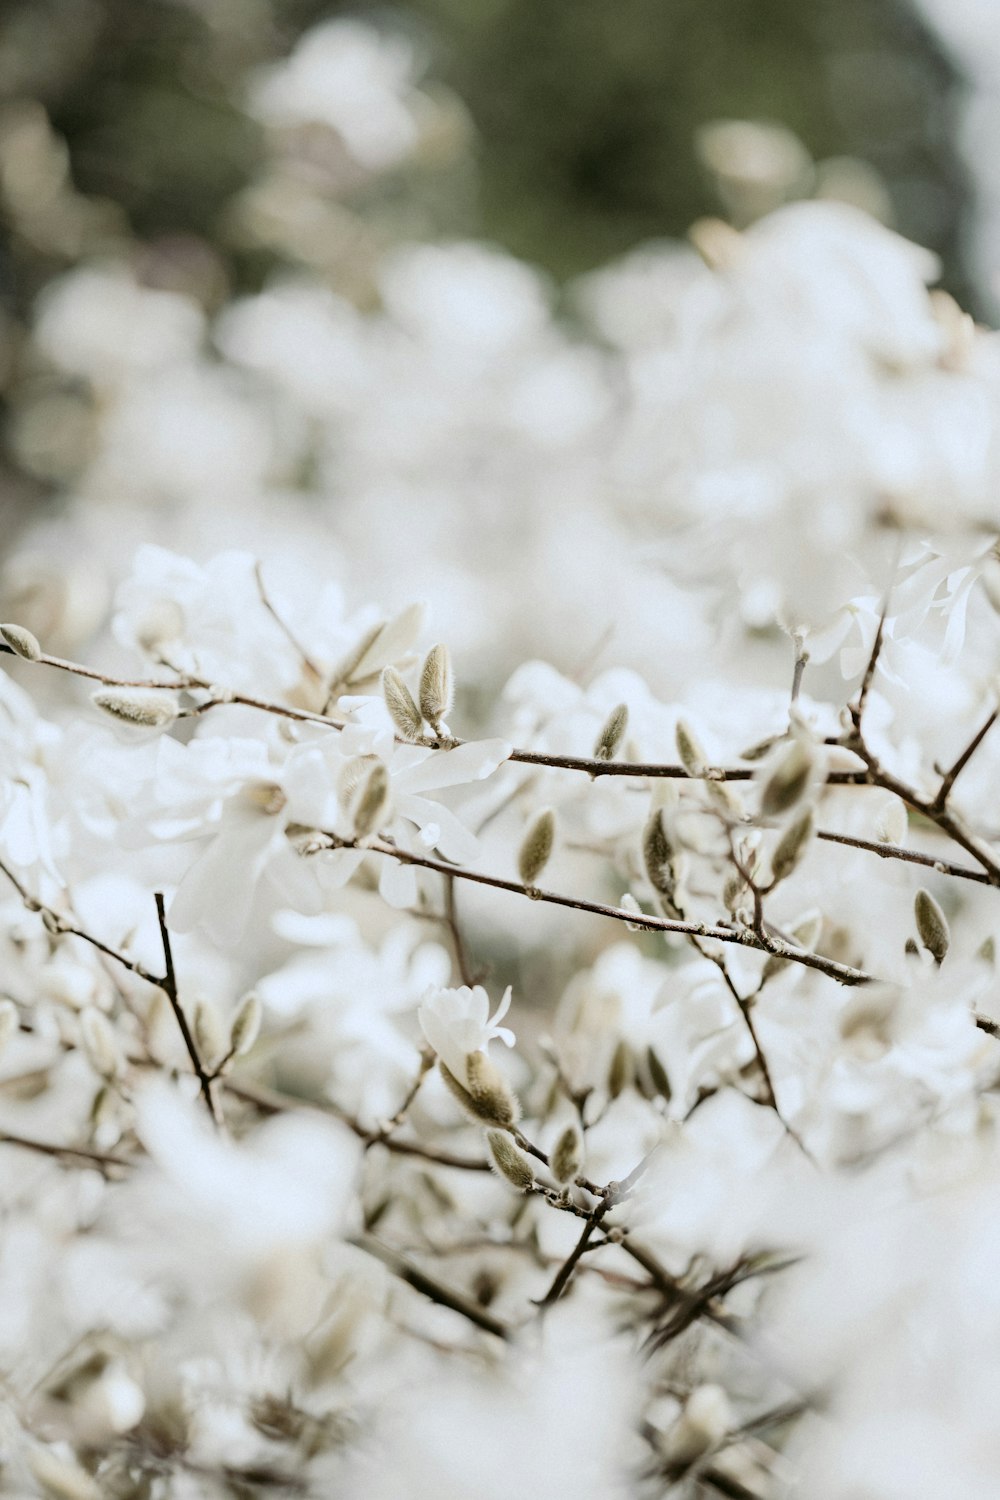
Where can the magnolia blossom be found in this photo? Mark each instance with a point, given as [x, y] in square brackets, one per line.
[458, 1021]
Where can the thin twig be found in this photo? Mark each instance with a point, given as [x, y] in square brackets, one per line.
[101, 1159]
[169, 987]
[430, 1288]
[907, 856]
[740, 937]
[952, 774]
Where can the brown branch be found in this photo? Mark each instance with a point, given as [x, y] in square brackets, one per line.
[273, 1102]
[950, 776]
[462, 963]
[101, 1159]
[740, 937]
[907, 856]
[430, 1288]
[168, 985]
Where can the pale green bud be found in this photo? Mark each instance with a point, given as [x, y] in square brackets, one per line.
[144, 708]
[932, 925]
[658, 854]
[566, 1156]
[789, 781]
[892, 822]
[62, 1478]
[490, 1090]
[488, 1098]
[372, 801]
[100, 1043]
[536, 847]
[246, 1026]
[509, 1161]
[692, 755]
[210, 1039]
[21, 642]
[612, 734]
[436, 689]
[399, 701]
[791, 847]
[622, 1069]
[658, 1074]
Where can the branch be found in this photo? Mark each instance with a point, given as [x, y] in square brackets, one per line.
[740, 937]
[428, 1287]
[951, 776]
[101, 1159]
[908, 856]
[169, 987]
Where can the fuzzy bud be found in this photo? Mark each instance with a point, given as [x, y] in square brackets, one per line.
[658, 854]
[702, 1424]
[143, 708]
[509, 1161]
[536, 847]
[658, 1075]
[21, 642]
[622, 1069]
[100, 1043]
[246, 1026]
[62, 1478]
[789, 781]
[210, 1039]
[487, 1098]
[612, 734]
[791, 847]
[932, 925]
[490, 1090]
[692, 755]
[630, 904]
[892, 822]
[372, 800]
[567, 1155]
[399, 701]
[436, 688]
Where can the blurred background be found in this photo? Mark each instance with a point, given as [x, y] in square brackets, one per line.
[212, 144]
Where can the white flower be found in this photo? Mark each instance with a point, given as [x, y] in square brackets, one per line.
[458, 1021]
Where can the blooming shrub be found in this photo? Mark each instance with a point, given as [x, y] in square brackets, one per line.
[437, 1061]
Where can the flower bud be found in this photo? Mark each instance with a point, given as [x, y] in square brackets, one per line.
[490, 1090]
[246, 1026]
[892, 822]
[62, 1478]
[702, 1424]
[932, 925]
[209, 1036]
[21, 642]
[567, 1155]
[536, 847]
[100, 1043]
[692, 755]
[436, 689]
[658, 1075]
[490, 1105]
[144, 708]
[399, 701]
[622, 1069]
[791, 847]
[789, 781]
[372, 800]
[508, 1160]
[658, 854]
[612, 734]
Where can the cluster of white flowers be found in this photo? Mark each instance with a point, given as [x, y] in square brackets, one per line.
[574, 1079]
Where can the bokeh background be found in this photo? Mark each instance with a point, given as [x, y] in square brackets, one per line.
[146, 134]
